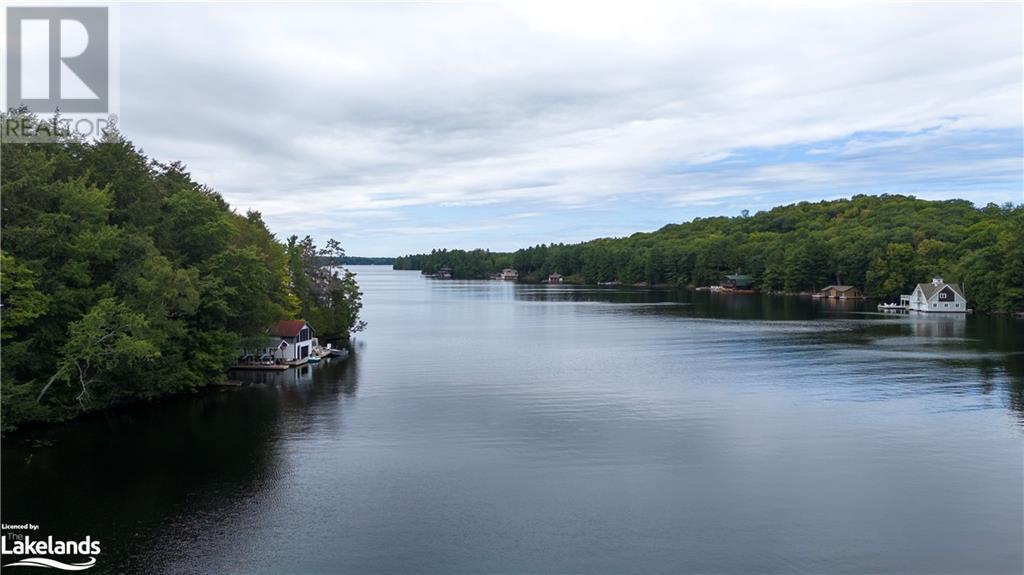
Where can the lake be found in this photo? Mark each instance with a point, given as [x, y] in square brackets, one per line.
[489, 427]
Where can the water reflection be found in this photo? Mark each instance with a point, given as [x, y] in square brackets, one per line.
[513, 428]
[309, 382]
[704, 303]
[125, 476]
[983, 353]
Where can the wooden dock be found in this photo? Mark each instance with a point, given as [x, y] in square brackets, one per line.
[282, 365]
[260, 367]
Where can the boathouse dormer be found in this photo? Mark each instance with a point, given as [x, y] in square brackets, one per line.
[937, 281]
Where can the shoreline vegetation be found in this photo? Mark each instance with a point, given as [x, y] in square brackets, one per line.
[126, 280]
[366, 261]
[882, 244]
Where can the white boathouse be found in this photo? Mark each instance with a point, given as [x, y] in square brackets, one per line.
[935, 297]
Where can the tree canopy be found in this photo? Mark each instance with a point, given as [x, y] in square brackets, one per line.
[122, 278]
[883, 244]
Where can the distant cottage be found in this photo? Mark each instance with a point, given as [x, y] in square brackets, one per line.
[840, 292]
[937, 296]
[509, 274]
[554, 279]
[736, 282]
[290, 340]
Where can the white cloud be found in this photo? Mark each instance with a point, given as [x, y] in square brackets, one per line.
[391, 107]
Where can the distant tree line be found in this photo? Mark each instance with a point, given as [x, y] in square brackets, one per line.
[473, 264]
[124, 279]
[358, 261]
[882, 244]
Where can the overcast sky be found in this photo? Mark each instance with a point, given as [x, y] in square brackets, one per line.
[403, 127]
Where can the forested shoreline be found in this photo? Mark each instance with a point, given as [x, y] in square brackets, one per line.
[124, 279]
[882, 244]
[366, 261]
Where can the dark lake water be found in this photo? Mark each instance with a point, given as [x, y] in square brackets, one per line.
[487, 427]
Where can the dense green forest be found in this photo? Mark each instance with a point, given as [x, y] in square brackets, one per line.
[883, 244]
[124, 279]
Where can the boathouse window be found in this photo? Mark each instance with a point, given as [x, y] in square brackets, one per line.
[945, 305]
[943, 295]
[956, 305]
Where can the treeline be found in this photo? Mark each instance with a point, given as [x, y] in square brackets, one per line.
[358, 261]
[124, 279]
[883, 244]
[474, 264]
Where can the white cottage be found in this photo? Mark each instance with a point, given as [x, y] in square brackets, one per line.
[937, 296]
[291, 340]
